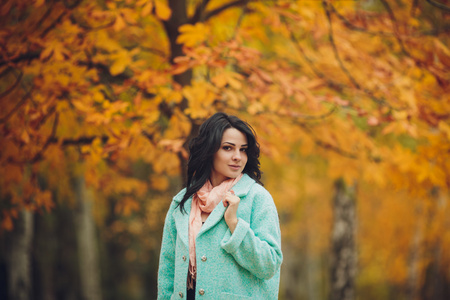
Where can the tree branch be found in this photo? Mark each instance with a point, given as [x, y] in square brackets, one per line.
[71, 5]
[85, 140]
[414, 7]
[158, 52]
[18, 105]
[439, 5]
[341, 63]
[26, 56]
[149, 136]
[89, 28]
[351, 26]
[325, 145]
[334, 47]
[220, 9]
[53, 24]
[44, 16]
[394, 24]
[333, 84]
[53, 140]
[199, 11]
[38, 156]
[296, 116]
[6, 71]
[436, 31]
[11, 88]
[337, 86]
[311, 117]
[239, 21]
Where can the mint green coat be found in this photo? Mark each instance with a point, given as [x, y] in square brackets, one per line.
[242, 265]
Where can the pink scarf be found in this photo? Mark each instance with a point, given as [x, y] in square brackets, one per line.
[206, 199]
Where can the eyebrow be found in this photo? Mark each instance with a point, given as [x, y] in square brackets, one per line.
[245, 145]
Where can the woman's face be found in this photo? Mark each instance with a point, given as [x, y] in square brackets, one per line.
[230, 160]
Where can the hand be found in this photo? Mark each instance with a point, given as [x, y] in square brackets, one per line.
[232, 202]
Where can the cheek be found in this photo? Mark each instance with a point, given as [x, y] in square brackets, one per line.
[219, 158]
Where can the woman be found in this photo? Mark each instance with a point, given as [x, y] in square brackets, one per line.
[221, 235]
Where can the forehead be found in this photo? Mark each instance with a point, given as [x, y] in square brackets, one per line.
[234, 136]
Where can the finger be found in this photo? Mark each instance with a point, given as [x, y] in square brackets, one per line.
[232, 192]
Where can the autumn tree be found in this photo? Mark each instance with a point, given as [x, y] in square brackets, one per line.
[97, 91]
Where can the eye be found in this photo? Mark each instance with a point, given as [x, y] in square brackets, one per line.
[244, 149]
[226, 148]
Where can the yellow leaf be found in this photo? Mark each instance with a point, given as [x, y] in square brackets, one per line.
[232, 98]
[442, 52]
[39, 3]
[168, 162]
[219, 80]
[147, 9]
[201, 97]
[255, 108]
[127, 206]
[121, 61]
[81, 106]
[159, 183]
[119, 24]
[192, 35]
[163, 12]
[46, 53]
[129, 15]
[117, 67]
[445, 128]
[232, 78]
[25, 137]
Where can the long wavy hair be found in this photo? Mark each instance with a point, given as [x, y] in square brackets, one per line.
[203, 147]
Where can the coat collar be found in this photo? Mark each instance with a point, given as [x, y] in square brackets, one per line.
[241, 189]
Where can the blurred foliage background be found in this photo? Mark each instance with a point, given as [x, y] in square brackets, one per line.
[349, 99]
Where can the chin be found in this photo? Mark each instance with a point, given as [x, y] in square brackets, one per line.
[235, 175]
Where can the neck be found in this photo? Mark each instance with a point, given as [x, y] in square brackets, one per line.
[216, 179]
[216, 182]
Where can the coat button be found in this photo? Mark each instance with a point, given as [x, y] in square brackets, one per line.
[184, 257]
[203, 258]
[181, 294]
[201, 292]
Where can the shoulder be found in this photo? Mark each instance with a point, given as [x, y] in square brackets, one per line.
[178, 197]
[258, 190]
[260, 195]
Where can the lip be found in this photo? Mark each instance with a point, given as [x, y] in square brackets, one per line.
[235, 167]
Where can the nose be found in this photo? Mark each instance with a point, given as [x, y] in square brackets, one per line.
[236, 155]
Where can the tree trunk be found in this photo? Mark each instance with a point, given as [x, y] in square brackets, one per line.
[413, 285]
[293, 285]
[19, 258]
[343, 256]
[44, 253]
[312, 274]
[435, 284]
[87, 243]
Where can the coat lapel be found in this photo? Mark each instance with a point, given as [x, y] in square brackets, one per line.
[214, 218]
[240, 189]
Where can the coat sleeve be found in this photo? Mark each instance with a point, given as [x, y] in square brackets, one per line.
[166, 270]
[257, 246]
